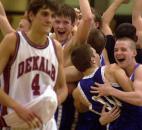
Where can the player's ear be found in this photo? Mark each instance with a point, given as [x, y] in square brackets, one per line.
[93, 61]
[30, 16]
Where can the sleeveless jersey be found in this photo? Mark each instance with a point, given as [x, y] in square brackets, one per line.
[130, 116]
[90, 120]
[31, 69]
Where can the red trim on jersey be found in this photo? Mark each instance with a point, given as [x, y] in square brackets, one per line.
[6, 72]
[33, 44]
[12, 59]
[2, 122]
[6, 78]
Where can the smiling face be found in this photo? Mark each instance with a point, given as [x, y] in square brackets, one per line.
[40, 13]
[42, 21]
[62, 27]
[124, 52]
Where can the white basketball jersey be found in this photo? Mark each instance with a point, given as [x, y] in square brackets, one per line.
[32, 69]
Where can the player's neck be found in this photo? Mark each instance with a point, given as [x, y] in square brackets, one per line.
[37, 39]
[90, 71]
[65, 40]
[130, 69]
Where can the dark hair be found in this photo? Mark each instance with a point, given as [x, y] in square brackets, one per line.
[36, 5]
[66, 11]
[81, 57]
[97, 40]
[126, 30]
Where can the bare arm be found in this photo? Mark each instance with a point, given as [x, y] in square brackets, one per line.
[137, 20]
[122, 79]
[60, 87]
[2, 11]
[83, 27]
[134, 97]
[109, 14]
[72, 74]
[4, 23]
[79, 102]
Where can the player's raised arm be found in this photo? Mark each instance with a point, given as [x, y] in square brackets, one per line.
[137, 20]
[109, 14]
[5, 26]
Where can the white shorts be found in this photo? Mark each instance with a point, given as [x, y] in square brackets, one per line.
[43, 106]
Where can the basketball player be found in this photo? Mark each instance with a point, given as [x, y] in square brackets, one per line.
[5, 100]
[89, 66]
[131, 110]
[30, 61]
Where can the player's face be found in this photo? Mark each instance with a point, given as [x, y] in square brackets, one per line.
[43, 20]
[62, 27]
[123, 53]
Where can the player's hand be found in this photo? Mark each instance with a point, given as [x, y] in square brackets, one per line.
[101, 89]
[28, 116]
[109, 116]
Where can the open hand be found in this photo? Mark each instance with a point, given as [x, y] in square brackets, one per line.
[101, 89]
[28, 116]
[109, 116]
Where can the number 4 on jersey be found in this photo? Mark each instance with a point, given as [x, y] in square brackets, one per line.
[35, 85]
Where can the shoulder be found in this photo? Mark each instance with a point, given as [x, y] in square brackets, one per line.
[10, 36]
[10, 41]
[114, 69]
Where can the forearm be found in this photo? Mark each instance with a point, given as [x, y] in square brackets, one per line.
[61, 94]
[110, 12]
[5, 26]
[137, 9]
[136, 16]
[85, 23]
[5, 100]
[86, 10]
[134, 98]
[2, 11]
